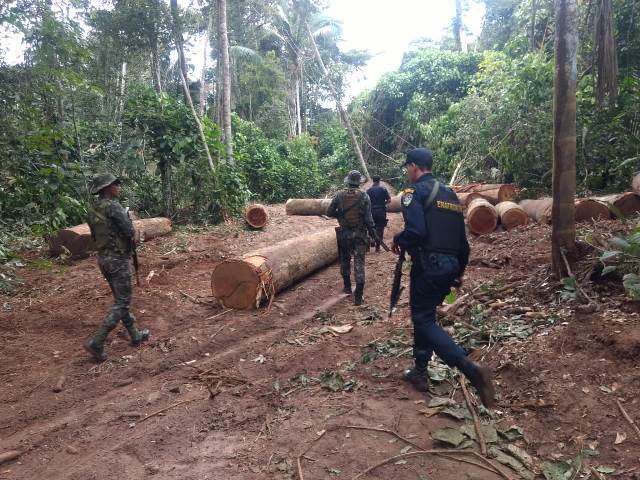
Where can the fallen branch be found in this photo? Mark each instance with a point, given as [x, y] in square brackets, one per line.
[162, 410]
[570, 273]
[628, 418]
[192, 299]
[489, 466]
[476, 421]
[219, 314]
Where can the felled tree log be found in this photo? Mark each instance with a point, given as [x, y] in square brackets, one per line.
[244, 283]
[635, 184]
[307, 206]
[511, 215]
[466, 198]
[586, 209]
[78, 239]
[493, 192]
[395, 205]
[538, 210]
[256, 215]
[482, 217]
[627, 203]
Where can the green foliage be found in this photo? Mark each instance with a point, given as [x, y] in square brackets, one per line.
[624, 260]
[276, 170]
[502, 129]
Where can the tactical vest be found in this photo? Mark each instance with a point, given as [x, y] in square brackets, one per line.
[352, 199]
[445, 223]
[107, 237]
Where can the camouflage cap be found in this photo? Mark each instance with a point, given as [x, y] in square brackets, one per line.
[354, 178]
[101, 181]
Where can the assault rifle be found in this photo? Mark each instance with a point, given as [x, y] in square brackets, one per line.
[396, 289]
[134, 252]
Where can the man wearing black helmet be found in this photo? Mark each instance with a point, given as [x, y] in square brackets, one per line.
[434, 235]
[114, 237]
[352, 207]
[379, 198]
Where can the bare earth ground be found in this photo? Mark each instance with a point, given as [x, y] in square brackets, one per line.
[279, 378]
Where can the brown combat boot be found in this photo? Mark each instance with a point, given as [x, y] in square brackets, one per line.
[480, 378]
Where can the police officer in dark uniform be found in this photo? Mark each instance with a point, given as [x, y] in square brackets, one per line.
[434, 236]
[114, 238]
[379, 198]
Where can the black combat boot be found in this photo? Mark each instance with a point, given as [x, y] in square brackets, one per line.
[480, 378]
[142, 336]
[418, 376]
[347, 284]
[96, 351]
[358, 294]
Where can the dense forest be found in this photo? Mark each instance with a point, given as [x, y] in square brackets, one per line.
[106, 86]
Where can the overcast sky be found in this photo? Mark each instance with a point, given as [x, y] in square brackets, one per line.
[384, 27]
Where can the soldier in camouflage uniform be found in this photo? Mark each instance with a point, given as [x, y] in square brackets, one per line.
[352, 207]
[114, 238]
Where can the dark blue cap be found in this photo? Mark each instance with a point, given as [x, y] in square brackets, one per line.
[422, 157]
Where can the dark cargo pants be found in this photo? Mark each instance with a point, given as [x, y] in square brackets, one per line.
[380, 220]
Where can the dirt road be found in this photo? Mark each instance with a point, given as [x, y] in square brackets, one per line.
[222, 394]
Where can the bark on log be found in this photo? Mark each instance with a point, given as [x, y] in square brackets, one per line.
[245, 282]
[493, 192]
[307, 206]
[256, 216]
[538, 210]
[78, 239]
[585, 209]
[466, 198]
[511, 215]
[635, 184]
[627, 203]
[482, 217]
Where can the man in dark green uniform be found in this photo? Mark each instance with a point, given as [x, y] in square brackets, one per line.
[352, 207]
[114, 238]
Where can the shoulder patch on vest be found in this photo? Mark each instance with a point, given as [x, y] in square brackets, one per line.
[407, 198]
[409, 190]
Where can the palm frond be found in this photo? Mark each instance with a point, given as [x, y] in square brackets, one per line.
[238, 52]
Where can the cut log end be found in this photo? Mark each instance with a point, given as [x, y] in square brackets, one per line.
[256, 216]
[482, 217]
[587, 209]
[236, 283]
[511, 215]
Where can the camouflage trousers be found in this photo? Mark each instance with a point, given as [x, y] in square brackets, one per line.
[116, 272]
[357, 248]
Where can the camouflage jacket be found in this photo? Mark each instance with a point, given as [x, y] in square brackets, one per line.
[352, 208]
[111, 228]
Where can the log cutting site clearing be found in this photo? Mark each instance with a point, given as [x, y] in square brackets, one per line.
[309, 387]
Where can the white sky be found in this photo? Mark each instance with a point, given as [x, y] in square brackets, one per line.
[383, 27]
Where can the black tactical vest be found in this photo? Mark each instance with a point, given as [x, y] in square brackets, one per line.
[445, 223]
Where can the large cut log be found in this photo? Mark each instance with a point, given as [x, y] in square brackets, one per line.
[256, 215]
[493, 192]
[395, 205]
[307, 206]
[243, 283]
[635, 184]
[511, 215]
[627, 203]
[586, 209]
[79, 243]
[482, 217]
[466, 198]
[538, 210]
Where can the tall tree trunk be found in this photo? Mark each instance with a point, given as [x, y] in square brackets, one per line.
[457, 26]
[185, 86]
[563, 231]
[226, 78]
[606, 56]
[204, 88]
[155, 68]
[341, 110]
[298, 107]
[167, 186]
[532, 26]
